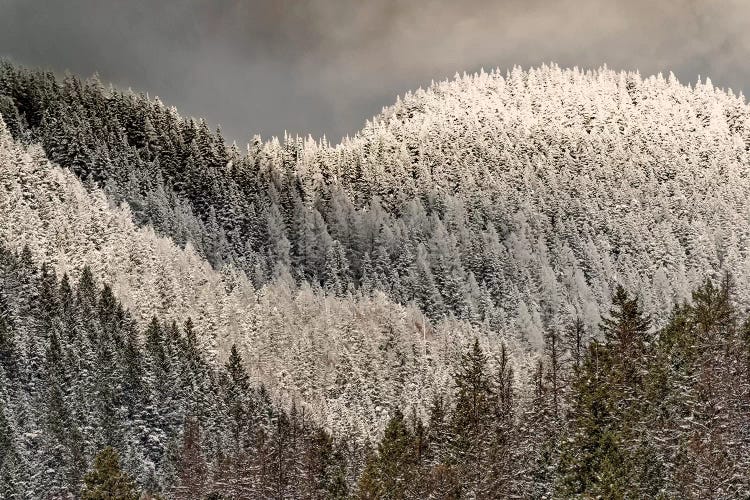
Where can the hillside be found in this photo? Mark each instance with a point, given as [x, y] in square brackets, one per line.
[496, 287]
[589, 178]
[516, 201]
[80, 380]
[345, 360]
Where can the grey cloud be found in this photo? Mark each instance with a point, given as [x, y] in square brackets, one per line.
[325, 66]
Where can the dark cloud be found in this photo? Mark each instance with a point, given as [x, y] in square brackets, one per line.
[325, 66]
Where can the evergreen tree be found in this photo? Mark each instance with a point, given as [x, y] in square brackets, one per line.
[390, 473]
[626, 331]
[472, 418]
[599, 459]
[593, 445]
[575, 340]
[503, 470]
[107, 481]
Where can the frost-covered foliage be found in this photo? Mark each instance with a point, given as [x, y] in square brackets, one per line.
[516, 201]
[347, 360]
[79, 380]
[643, 413]
[435, 284]
[589, 178]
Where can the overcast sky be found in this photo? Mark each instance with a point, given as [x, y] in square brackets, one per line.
[325, 66]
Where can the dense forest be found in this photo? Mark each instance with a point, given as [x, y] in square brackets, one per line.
[642, 412]
[503, 286]
[345, 358]
[488, 197]
[79, 376]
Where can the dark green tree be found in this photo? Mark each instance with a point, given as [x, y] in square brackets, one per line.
[472, 418]
[106, 481]
[391, 471]
[626, 332]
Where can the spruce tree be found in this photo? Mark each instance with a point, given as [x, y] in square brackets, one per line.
[237, 403]
[472, 418]
[106, 481]
[390, 473]
[626, 332]
[591, 439]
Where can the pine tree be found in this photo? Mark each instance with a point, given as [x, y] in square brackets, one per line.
[472, 418]
[107, 481]
[575, 340]
[592, 443]
[389, 473]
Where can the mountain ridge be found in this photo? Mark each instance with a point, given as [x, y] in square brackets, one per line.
[451, 283]
[467, 186]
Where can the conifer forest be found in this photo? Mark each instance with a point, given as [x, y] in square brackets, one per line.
[523, 283]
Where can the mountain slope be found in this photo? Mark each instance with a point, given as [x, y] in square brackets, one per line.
[77, 375]
[354, 279]
[513, 201]
[347, 360]
[646, 176]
